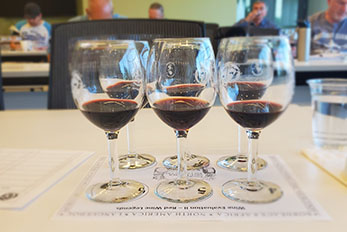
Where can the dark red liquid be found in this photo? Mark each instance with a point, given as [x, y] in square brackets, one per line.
[254, 114]
[185, 90]
[246, 90]
[110, 114]
[123, 90]
[181, 113]
[126, 89]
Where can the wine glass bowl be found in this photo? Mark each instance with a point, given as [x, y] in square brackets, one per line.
[181, 89]
[262, 66]
[107, 85]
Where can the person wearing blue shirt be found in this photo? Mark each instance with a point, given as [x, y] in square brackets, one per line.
[34, 28]
[257, 18]
[96, 10]
[329, 29]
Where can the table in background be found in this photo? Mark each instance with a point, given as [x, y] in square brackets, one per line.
[25, 75]
[24, 56]
[319, 68]
[39, 72]
[214, 135]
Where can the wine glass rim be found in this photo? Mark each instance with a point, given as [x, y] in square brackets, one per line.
[180, 39]
[328, 82]
[89, 43]
[141, 41]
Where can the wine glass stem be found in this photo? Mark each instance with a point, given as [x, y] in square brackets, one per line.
[181, 155]
[252, 155]
[112, 157]
[241, 142]
[130, 137]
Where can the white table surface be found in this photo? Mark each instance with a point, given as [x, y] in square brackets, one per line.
[24, 69]
[216, 133]
[321, 65]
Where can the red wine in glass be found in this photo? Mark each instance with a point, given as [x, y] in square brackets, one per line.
[254, 114]
[185, 90]
[244, 90]
[110, 114]
[181, 113]
[125, 89]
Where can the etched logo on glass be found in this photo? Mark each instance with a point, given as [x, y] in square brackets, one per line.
[230, 72]
[257, 69]
[170, 70]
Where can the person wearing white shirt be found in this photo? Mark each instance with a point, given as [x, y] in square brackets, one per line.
[34, 28]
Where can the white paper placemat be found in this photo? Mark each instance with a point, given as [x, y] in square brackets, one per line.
[26, 174]
[294, 204]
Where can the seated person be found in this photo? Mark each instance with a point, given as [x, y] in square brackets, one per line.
[34, 28]
[96, 10]
[156, 11]
[329, 28]
[256, 17]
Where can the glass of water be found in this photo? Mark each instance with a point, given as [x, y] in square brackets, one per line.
[329, 122]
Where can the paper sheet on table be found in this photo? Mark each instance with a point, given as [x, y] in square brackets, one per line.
[294, 204]
[26, 174]
[332, 161]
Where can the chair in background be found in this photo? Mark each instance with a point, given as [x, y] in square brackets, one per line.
[236, 31]
[211, 32]
[1, 90]
[256, 31]
[59, 95]
[233, 31]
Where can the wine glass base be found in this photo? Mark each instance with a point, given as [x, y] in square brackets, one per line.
[251, 192]
[239, 163]
[136, 161]
[181, 191]
[122, 191]
[193, 162]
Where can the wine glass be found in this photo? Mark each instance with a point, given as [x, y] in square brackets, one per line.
[238, 161]
[181, 88]
[135, 160]
[94, 66]
[265, 61]
[193, 161]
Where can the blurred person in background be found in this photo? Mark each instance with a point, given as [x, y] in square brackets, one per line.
[256, 17]
[329, 28]
[156, 11]
[98, 9]
[34, 28]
